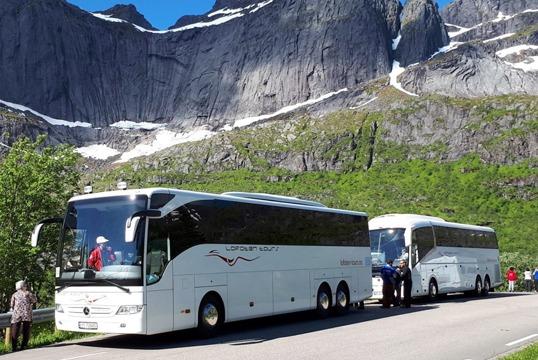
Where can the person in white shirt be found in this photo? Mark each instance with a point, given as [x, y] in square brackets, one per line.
[528, 280]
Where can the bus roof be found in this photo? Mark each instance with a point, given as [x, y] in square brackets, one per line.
[416, 221]
[262, 199]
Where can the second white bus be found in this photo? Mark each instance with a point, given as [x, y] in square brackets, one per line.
[444, 257]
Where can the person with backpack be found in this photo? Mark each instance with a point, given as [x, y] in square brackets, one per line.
[387, 274]
[511, 276]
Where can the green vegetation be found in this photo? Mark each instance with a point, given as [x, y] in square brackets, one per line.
[45, 334]
[35, 183]
[467, 190]
[528, 353]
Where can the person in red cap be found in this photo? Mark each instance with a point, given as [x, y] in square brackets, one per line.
[95, 261]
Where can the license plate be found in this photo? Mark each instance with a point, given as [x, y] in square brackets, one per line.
[87, 325]
[377, 293]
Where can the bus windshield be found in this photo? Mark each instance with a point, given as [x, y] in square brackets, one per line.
[387, 244]
[93, 245]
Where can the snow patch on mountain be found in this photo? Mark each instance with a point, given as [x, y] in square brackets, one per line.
[396, 41]
[285, 110]
[165, 139]
[515, 50]
[363, 104]
[48, 119]
[97, 151]
[131, 125]
[504, 36]
[500, 17]
[397, 70]
[229, 14]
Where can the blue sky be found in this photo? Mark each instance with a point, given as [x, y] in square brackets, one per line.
[161, 13]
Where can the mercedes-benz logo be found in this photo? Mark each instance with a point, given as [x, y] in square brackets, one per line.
[86, 311]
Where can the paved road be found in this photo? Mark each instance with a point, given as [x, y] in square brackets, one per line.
[456, 328]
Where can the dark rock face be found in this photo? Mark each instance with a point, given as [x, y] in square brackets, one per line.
[423, 32]
[101, 72]
[472, 12]
[130, 14]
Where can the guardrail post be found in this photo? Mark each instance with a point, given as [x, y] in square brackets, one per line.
[7, 338]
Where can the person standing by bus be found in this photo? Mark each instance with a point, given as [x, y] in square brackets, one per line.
[511, 276]
[535, 274]
[387, 274]
[22, 302]
[407, 279]
[528, 280]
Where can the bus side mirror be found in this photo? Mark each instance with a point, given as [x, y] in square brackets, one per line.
[37, 229]
[132, 223]
[35, 234]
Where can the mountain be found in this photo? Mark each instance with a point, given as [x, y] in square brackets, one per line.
[473, 12]
[128, 13]
[265, 56]
[106, 80]
[422, 32]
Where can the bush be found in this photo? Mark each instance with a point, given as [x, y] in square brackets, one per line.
[520, 262]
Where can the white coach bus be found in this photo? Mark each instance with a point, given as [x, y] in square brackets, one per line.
[444, 257]
[157, 260]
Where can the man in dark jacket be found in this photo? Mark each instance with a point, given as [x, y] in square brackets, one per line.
[387, 274]
[405, 275]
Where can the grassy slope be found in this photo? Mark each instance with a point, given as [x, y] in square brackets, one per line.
[403, 178]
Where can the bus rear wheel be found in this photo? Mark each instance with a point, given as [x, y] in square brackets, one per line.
[210, 316]
[433, 290]
[342, 299]
[478, 286]
[487, 287]
[324, 298]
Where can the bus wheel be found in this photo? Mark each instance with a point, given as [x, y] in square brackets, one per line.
[210, 315]
[342, 298]
[324, 301]
[487, 287]
[478, 286]
[433, 290]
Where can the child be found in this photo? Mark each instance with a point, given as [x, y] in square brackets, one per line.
[511, 276]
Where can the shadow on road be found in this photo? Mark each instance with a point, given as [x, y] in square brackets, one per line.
[252, 331]
[462, 298]
[265, 329]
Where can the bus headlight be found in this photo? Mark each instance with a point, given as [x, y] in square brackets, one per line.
[129, 309]
[59, 308]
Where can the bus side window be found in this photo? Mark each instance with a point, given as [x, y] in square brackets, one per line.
[423, 238]
[157, 256]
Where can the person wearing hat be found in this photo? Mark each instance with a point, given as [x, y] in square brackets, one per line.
[95, 261]
[22, 302]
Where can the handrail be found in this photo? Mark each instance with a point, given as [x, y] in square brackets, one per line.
[38, 315]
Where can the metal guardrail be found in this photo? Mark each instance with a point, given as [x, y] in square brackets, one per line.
[39, 315]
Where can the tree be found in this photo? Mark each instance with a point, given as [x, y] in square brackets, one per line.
[35, 183]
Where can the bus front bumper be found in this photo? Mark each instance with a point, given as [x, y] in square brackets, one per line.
[116, 324]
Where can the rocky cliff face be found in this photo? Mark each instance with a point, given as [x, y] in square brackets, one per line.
[422, 32]
[128, 13]
[473, 12]
[277, 53]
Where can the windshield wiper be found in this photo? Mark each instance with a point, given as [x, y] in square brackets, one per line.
[112, 283]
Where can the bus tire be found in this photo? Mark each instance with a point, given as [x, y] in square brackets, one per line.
[323, 300]
[433, 290]
[487, 286]
[342, 298]
[478, 286]
[210, 315]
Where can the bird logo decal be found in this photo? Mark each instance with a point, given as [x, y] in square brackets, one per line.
[230, 262]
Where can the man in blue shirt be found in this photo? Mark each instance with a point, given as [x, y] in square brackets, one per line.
[387, 274]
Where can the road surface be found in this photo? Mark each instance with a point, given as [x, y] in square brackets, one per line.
[456, 328]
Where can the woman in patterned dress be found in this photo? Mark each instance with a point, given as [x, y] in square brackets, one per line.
[22, 302]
